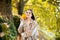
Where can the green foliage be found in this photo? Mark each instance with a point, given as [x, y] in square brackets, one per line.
[2, 20]
[16, 20]
[4, 27]
[57, 36]
[0, 28]
[11, 33]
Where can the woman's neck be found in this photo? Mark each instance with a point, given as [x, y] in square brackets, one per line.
[28, 19]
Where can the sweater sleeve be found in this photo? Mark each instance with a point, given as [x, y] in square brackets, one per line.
[20, 28]
[35, 30]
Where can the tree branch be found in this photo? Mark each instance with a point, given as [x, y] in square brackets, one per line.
[26, 1]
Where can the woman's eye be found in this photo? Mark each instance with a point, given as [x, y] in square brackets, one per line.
[28, 12]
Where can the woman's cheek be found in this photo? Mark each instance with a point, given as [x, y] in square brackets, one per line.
[30, 15]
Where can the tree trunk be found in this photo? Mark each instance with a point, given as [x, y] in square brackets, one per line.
[2, 6]
[20, 7]
[8, 9]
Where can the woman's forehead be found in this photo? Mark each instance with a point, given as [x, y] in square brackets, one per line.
[28, 11]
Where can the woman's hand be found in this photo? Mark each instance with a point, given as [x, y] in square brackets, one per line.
[23, 34]
[28, 33]
[21, 18]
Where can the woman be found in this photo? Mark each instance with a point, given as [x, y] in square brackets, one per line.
[28, 27]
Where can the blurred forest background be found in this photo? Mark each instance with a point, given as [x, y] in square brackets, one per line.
[46, 12]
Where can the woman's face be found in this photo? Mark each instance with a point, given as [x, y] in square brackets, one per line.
[28, 13]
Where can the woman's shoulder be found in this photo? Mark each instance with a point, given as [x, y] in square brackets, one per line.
[35, 21]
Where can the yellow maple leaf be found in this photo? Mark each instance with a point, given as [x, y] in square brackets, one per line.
[24, 16]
